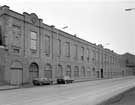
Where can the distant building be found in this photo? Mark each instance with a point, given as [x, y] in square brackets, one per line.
[128, 64]
[30, 49]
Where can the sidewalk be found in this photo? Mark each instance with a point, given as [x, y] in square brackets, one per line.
[8, 87]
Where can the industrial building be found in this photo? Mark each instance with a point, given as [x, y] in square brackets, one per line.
[29, 49]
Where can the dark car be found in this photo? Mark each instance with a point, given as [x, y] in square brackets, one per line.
[64, 80]
[42, 81]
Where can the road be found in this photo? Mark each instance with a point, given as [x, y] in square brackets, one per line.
[80, 93]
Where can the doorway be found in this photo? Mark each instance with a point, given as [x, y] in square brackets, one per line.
[33, 71]
[102, 74]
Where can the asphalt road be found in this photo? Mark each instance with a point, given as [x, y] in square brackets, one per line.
[80, 93]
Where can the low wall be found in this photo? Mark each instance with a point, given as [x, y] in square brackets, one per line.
[125, 98]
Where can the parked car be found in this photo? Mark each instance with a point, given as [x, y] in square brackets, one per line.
[64, 80]
[42, 81]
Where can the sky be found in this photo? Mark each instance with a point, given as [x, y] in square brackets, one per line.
[98, 21]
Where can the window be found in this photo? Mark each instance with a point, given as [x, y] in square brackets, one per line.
[16, 50]
[93, 56]
[16, 32]
[48, 71]
[68, 71]
[83, 71]
[67, 49]
[94, 72]
[76, 71]
[88, 72]
[1, 36]
[59, 47]
[47, 45]
[33, 42]
[82, 52]
[75, 52]
[87, 55]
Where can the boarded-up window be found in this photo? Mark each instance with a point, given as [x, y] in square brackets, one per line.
[16, 30]
[47, 45]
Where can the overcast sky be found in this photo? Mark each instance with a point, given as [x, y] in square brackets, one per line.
[98, 21]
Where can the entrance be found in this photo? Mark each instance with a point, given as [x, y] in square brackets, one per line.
[16, 72]
[102, 74]
[16, 76]
[33, 71]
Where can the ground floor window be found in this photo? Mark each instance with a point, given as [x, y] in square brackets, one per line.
[68, 70]
[88, 72]
[48, 71]
[76, 71]
[83, 71]
[59, 71]
[33, 71]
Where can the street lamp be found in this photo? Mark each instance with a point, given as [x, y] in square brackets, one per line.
[65, 27]
[130, 9]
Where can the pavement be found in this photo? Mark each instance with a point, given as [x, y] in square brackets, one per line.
[80, 93]
[10, 87]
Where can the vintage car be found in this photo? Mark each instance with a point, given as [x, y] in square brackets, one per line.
[64, 80]
[42, 81]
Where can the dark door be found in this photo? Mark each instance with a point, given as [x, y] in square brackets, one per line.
[102, 75]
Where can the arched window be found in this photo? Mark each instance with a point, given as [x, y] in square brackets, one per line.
[59, 71]
[76, 71]
[48, 71]
[94, 72]
[83, 71]
[88, 72]
[33, 71]
[68, 70]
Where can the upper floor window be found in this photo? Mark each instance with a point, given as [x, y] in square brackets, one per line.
[75, 54]
[16, 31]
[33, 40]
[87, 54]
[47, 45]
[82, 53]
[1, 36]
[67, 49]
[59, 47]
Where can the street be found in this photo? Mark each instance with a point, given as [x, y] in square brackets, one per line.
[80, 93]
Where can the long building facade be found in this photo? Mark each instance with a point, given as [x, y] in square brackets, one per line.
[29, 49]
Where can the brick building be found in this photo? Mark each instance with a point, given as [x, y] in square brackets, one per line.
[30, 49]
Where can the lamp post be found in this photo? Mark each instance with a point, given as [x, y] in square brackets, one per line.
[64, 27]
[130, 9]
